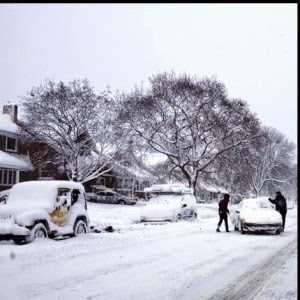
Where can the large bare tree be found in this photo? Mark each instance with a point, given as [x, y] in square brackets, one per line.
[274, 164]
[77, 124]
[190, 120]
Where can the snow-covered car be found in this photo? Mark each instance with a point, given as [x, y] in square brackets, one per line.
[256, 214]
[44, 209]
[4, 195]
[169, 203]
[110, 197]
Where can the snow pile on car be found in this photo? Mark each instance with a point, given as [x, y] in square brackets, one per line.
[168, 188]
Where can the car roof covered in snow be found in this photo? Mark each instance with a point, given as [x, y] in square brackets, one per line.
[251, 202]
[168, 188]
[46, 191]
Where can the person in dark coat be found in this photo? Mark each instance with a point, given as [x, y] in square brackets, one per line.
[280, 206]
[223, 211]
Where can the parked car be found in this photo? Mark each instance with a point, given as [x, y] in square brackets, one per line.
[44, 209]
[256, 214]
[169, 203]
[110, 197]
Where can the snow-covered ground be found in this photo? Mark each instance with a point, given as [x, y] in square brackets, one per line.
[184, 260]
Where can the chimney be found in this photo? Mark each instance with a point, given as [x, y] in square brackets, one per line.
[12, 110]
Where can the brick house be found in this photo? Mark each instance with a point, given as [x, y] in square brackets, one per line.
[15, 164]
[126, 180]
[32, 160]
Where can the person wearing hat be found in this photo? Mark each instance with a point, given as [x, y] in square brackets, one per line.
[223, 211]
[280, 206]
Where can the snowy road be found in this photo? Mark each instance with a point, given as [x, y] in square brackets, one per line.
[185, 260]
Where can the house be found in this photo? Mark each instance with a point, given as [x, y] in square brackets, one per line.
[15, 164]
[209, 193]
[126, 180]
[131, 177]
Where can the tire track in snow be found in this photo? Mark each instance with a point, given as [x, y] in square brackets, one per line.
[247, 286]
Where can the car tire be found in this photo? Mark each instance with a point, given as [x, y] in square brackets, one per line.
[121, 202]
[19, 241]
[80, 227]
[241, 228]
[178, 218]
[38, 231]
[236, 227]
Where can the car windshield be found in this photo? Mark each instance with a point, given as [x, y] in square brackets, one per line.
[253, 204]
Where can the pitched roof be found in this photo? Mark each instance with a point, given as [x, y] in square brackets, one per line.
[15, 161]
[6, 124]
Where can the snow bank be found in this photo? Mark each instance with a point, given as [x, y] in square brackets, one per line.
[127, 218]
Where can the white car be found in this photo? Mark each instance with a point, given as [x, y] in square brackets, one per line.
[4, 195]
[44, 209]
[169, 203]
[111, 197]
[256, 214]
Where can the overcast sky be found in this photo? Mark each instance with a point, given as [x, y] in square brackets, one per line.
[251, 48]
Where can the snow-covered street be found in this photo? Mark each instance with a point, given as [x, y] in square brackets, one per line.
[184, 260]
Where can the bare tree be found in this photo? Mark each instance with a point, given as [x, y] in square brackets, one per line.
[235, 168]
[275, 161]
[190, 120]
[77, 124]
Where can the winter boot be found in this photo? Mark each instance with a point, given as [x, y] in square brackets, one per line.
[218, 230]
[227, 230]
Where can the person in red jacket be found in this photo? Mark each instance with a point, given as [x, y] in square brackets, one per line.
[223, 211]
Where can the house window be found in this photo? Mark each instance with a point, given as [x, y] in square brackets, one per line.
[145, 184]
[100, 181]
[126, 186]
[46, 175]
[11, 144]
[125, 183]
[8, 177]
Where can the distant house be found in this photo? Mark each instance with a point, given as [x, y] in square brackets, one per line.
[130, 178]
[15, 164]
[126, 180]
[44, 160]
[209, 193]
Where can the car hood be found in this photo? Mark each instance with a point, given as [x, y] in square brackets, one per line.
[16, 208]
[24, 215]
[260, 216]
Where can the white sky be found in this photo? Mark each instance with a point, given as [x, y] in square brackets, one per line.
[251, 48]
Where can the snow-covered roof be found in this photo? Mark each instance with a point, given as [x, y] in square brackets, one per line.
[213, 189]
[132, 171]
[14, 161]
[6, 124]
[169, 188]
[222, 190]
[153, 159]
